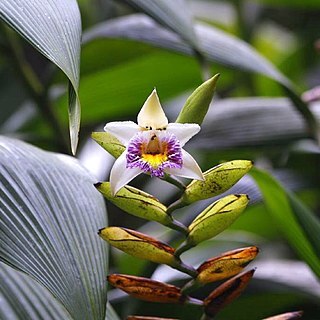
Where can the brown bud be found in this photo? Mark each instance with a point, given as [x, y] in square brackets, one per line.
[295, 315]
[146, 289]
[147, 318]
[226, 265]
[226, 293]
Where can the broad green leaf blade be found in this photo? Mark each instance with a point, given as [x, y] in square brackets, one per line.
[171, 14]
[216, 45]
[50, 213]
[228, 124]
[53, 27]
[278, 202]
[307, 220]
[110, 313]
[22, 297]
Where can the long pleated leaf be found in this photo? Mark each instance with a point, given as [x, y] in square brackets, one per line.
[22, 297]
[53, 27]
[216, 45]
[280, 208]
[49, 216]
[171, 14]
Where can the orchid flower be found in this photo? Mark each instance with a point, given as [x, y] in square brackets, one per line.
[153, 146]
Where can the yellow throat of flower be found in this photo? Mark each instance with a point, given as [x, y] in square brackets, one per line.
[155, 152]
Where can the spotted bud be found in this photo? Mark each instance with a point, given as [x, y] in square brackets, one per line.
[226, 293]
[295, 315]
[139, 245]
[216, 218]
[137, 203]
[216, 180]
[146, 289]
[226, 265]
[108, 142]
[197, 105]
[147, 318]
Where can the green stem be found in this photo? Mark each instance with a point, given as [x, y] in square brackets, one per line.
[35, 88]
[191, 286]
[179, 265]
[176, 205]
[183, 247]
[206, 317]
[174, 181]
[178, 226]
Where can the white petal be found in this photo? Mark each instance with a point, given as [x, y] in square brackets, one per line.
[183, 131]
[152, 114]
[190, 168]
[122, 130]
[120, 175]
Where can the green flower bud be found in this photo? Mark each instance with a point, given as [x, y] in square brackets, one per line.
[216, 218]
[108, 142]
[139, 245]
[217, 180]
[197, 105]
[213, 220]
[137, 203]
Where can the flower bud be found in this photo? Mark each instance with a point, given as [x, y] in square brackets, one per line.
[226, 265]
[216, 218]
[226, 293]
[139, 245]
[137, 203]
[216, 180]
[146, 289]
[295, 315]
[197, 105]
[108, 142]
[147, 318]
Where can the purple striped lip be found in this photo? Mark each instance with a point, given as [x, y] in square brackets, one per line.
[153, 151]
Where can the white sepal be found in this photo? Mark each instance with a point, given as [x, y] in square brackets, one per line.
[120, 175]
[183, 131]
[122, 130]
[190, 168]
[151, 115]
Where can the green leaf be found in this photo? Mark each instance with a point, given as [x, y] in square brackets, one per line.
[50, 213]
[24, 298]
[279, 203]
[108, 142]
[197, 105]
[110, 313]
[171, 14]
[53, 27]
[216, 45]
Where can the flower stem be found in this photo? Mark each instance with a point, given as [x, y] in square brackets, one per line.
[176, 225]
[174, 181]
[175, 205]
[191, 286]
[179, 265]
[183, 247]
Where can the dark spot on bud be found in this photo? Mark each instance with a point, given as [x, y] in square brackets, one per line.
[97, 185]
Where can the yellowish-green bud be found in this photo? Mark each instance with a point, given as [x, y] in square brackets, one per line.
[139, 245]
[217, 180]
[108, 142]
[216, 218]
[137, 203]
[196, 106]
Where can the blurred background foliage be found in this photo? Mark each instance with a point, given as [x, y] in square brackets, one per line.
[267, 53]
